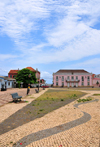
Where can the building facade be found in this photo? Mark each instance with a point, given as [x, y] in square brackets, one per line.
[72, 78]
[97, 76]
[42, 81]
[6, 82]
[96, 80]
[13, 73]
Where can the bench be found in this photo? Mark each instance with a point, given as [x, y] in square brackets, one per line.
[16, 97]
[36, 91]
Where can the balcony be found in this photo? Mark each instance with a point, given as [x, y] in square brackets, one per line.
[72, 81]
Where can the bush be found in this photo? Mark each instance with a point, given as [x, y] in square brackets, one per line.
[84, 100]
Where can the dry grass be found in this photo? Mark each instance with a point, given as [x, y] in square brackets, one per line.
[59, 94]
[96, 94]
[54, 99]
[85, 88]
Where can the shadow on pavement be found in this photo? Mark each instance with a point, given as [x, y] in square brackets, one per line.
[48, 132]
[24, 116]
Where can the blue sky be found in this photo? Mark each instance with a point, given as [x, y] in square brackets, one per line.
[50, 35]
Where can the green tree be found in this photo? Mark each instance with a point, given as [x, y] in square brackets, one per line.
[23, 76]
[97, 83]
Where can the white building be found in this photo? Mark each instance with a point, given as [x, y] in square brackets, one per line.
[6, 82]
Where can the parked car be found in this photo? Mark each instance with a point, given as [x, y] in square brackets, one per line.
[45, 86]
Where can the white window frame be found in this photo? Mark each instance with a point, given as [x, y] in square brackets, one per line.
[62, 83]
[76, 77]
[62, 78]
[82, 84]
[82, 78]
[8, 83]
[72, 78]
[56, 78]
[88, 83]
[56, 83]
[88, 78]
[68, 78]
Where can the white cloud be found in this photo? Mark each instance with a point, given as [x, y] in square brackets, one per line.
[46, 75]
[19, 17]
[3, 70]
[4, 57]
[70, 38]
[38, 47]
[91, 65]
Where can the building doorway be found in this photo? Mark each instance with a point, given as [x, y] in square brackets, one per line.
[67, 84]
[72, 84]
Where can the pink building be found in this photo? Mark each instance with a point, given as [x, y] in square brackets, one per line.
[72, 78]
[96, 80]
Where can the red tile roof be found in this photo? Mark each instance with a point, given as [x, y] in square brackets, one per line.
[13, 71]
[42, 79]
[93, 75]
[70, 70]
[32, 69]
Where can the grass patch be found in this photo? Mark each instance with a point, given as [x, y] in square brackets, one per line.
[84, 100]
[53, 99]
[28, 112]
[41, 109]
[96, 94]
[26, 101]
[85, 88]
[62, 99]
[73, 96]
[11, 142]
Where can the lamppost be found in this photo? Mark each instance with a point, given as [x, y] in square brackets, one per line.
[29, 78]
[38, 83]
[37, 76]
[28, 88]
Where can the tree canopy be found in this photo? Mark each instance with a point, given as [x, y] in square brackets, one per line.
[26, 76]
[97, 83]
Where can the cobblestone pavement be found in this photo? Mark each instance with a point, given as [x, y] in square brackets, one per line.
[50, 130]
[55, 130]
[5, 96]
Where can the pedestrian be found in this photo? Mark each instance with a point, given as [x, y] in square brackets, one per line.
[28, 89]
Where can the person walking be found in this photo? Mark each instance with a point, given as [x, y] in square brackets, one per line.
[28, 89]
